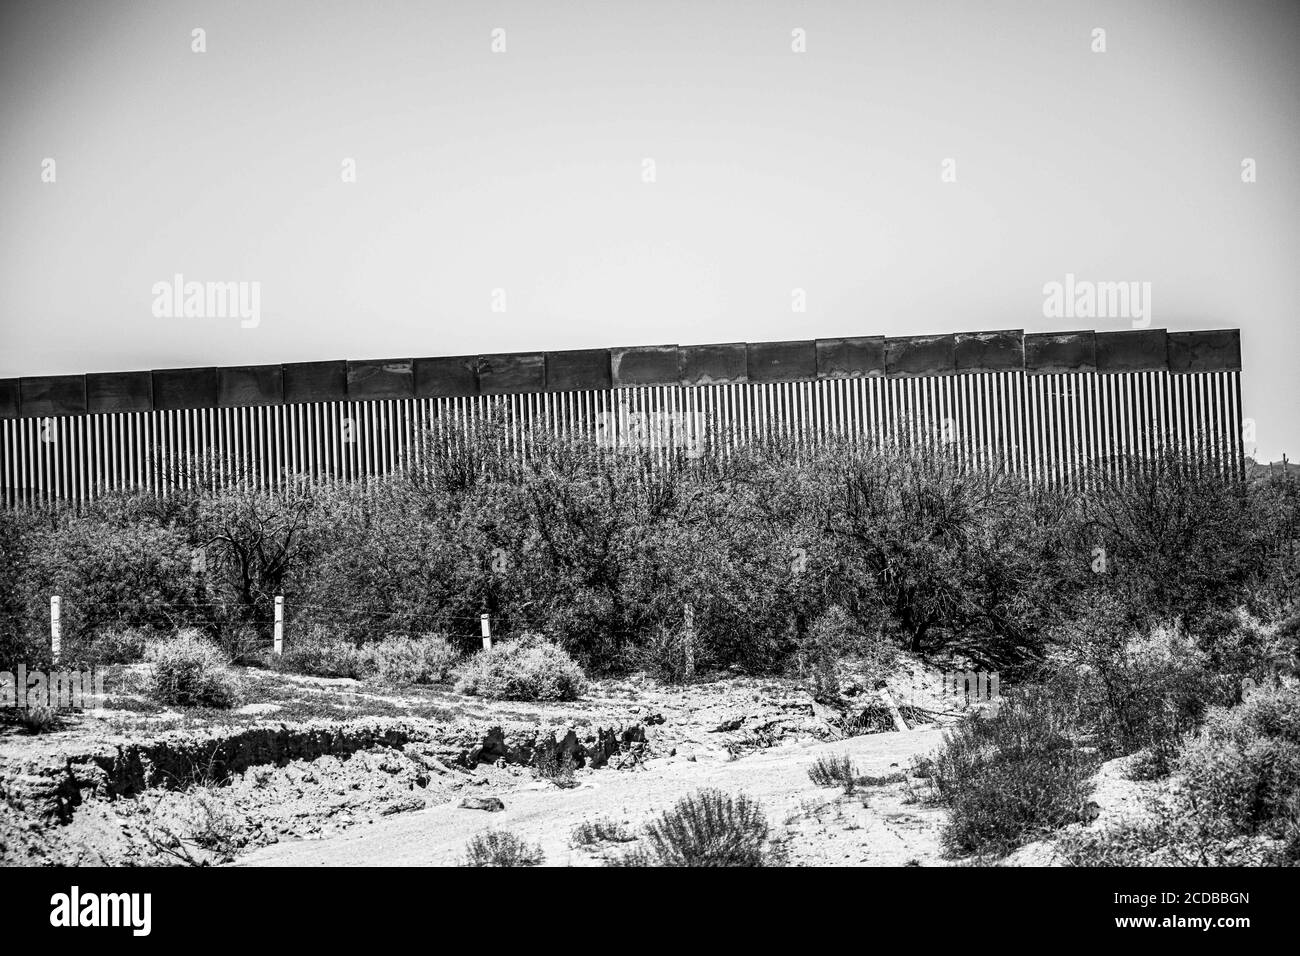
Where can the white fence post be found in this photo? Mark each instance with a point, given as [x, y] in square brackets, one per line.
[485, 623]
[279, 624]
[688, 640]
[56, 627]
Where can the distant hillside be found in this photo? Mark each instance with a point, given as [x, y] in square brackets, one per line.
[1262, 469]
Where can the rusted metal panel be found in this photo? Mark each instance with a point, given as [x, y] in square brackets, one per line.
[782, 361]
[1132, 351]
[450, 377]
[1059, 352]
[315, 382]
[1210, 351]
[512, 373]
[177, 388]
[119, 392]
[381, 378]
[916, 355]
[646, 365]
[46, 395]
[857, 357]
[578, 369]
[248, 385]
[722, 364]
[1002, 351]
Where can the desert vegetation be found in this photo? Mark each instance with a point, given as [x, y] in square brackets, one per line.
[705, 829]
[502, 848]
[1128, 610]
[786, 556]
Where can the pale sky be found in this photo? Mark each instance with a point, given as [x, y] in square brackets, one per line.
[524, 171]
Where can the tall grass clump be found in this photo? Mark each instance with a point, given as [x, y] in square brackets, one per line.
[190, 671]
[834, 772]
[427, 659]
[317, 652]
[706, 828]
[502, 848]
[528, 668]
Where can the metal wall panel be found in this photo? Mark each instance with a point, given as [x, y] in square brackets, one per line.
[178, 388]
[119, 392]
[781, 361]
[47, 395]
[250, 385]
[1081, 402]
[381, 378]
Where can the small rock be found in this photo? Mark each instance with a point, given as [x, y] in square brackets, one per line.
[265, 708]
[490, 804]
[405, 806]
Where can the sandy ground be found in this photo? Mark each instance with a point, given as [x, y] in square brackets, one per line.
[877, 826]
[386, 802]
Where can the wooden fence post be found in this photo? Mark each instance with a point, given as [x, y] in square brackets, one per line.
[485, 624]
[279, 624]
[56, 627]
[688, 640]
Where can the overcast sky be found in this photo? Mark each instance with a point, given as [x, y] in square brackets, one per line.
[525, 171]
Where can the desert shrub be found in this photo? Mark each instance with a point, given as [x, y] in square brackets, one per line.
[558, 768]
[1010, 778]
[598, 831]
[242, 644]
[870, 780]
[709, 828]
[834, 772]
[16, 534]
[396, 552]
[254, 541]
[111, 576]
[502, 848]
[1172, 834]
[427, 659]
[1234, 799]
[820, 654]
[111, 645]
[947, 550]
[1241, 649]
[190, 671]
[663, 654]
[37, 719]
[1137, 687]
[1244, 767]
[316, 652]
[527, 668]
[1177, 529]
[1275, 503]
